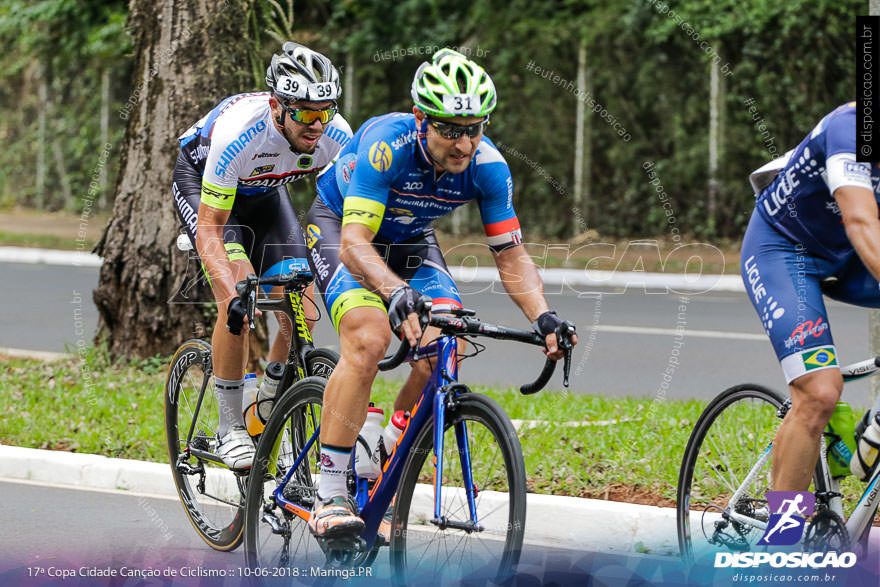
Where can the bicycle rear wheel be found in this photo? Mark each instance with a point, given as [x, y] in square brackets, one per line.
[211, 494]
[276, 537]
[726, 472]
[423, 552]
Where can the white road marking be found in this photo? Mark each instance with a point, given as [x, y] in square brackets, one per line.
[687, 332]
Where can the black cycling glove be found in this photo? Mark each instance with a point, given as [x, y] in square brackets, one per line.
[401, 304]
[547, 323]
[235, 313]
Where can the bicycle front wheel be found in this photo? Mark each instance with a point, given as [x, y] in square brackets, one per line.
[423, 550]
[275, 537]
[211, 494]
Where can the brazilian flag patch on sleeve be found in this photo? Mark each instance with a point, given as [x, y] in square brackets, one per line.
[820, 357]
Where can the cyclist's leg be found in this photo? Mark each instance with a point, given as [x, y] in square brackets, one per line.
[420, 262]
[782, 281]
[279, 248]
[229, 352]
[360, 318]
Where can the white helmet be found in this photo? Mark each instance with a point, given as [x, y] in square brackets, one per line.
[299, 73]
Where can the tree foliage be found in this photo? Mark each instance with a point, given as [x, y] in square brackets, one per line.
[648, 68]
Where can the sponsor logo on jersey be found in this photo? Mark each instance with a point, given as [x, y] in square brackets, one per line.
[404, 139]
[237, 146]
[785, 184]
[346, 166]
[261, 155]
[402, 211]
[199, 153]
[805, 329]
[261, 170]
[818, 358]
[321, 265]
[305, 161]
[337, 135]
[313, 235]
[272, 182]
[856, 170]
[360, 213]
[380, 156]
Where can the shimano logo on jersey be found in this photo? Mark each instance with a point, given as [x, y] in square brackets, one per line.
[337, 135]
[199, 153]
[404, 140]
[778, 198]
[237, 146]
[789, 560]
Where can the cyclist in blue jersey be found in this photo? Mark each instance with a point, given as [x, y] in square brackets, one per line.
[230, 197]
[814, 231]
[375, 252]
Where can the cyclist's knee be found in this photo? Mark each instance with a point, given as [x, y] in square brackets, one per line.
[814, 397]
[364, 340]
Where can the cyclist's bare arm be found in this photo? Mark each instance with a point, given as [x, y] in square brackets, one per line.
[524, 286]
[859, 211]
[212, 252]
[367, 267]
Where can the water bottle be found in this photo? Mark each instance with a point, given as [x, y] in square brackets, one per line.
[391, 433]
[366, 461]
[268, 389]
[868, 433]
[249, 405]
[840, 439]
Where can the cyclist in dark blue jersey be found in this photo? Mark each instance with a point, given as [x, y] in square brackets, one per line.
[814, 231]
[371, 242]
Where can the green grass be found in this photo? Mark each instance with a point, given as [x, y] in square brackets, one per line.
[89, 405]
[44, 241]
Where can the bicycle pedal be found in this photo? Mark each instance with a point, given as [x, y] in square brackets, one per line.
[342, 545]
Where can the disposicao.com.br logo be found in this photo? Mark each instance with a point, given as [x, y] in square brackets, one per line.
[789, 511]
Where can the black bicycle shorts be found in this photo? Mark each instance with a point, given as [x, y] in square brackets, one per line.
[418, 261]
[262, 229]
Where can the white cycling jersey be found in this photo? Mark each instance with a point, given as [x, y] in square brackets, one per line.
[239, 150]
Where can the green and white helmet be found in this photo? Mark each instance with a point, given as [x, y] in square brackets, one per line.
[453, 85]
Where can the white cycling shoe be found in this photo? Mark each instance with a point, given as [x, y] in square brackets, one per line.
[236, 448]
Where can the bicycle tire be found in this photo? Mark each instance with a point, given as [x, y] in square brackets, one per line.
[218, 523]
[408, 538]
[321, 362]
[743, 422]
[297, 414]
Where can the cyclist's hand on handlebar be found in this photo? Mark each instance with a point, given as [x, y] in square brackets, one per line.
[236, 316]
[404, 308]
[552, 328]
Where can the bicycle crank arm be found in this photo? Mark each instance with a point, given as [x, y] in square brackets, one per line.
[468, 526]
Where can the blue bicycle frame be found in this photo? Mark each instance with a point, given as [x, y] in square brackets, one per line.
[431, 403]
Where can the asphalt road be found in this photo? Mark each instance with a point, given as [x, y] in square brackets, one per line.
[79, 537]
[627, 339]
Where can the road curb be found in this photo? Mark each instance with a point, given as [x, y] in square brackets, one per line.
[582, 281]
[567, 522]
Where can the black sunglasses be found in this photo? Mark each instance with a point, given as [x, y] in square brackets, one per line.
[451, 131]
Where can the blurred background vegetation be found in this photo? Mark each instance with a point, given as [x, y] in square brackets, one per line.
[66, 76]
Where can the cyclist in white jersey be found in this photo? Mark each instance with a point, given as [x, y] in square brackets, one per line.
[227, 195]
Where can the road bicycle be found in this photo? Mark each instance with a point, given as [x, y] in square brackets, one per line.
[726, 472]
[458, 514]
[212, 495]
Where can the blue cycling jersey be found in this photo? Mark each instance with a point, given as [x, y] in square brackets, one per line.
[800, 204]
[384, 178]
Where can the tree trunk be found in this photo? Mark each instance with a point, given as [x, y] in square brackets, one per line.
[714, 134]
[579, 218]
[189, 54]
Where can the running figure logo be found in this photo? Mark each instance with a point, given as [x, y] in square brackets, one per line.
[790, 511]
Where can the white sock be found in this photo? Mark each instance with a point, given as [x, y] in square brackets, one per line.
[335, 464]
[230, 394]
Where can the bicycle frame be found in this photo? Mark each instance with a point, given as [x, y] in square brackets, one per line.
[437, 394]
[865, 509]
[300, 344]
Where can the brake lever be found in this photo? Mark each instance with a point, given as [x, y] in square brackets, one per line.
[252, 284]
[568, 331]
